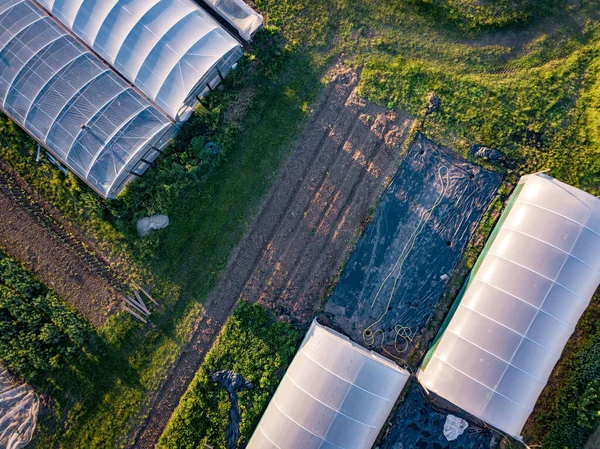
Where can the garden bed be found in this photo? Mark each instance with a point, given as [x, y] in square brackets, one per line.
[252, 344]
[405, 258]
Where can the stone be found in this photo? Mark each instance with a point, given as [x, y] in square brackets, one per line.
[146, 225]
[433, 103]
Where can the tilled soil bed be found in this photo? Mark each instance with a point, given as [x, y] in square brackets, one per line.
[31, 232]
[339, 167]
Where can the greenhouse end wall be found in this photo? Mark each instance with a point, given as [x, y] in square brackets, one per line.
[335, 394]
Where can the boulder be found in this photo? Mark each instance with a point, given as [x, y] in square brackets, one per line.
[146, 225]
[433, 103]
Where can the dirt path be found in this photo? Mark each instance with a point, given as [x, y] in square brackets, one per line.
[54, 251]
[346, 155]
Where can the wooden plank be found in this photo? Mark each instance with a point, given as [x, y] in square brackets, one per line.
[131, 312]
[140, 301]
[129, 300]
[147, 294]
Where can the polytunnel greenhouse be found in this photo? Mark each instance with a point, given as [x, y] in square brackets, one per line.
[528, 289]
[103, 84]
[335, 394]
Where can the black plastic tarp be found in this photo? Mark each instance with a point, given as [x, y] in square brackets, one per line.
[402, 263]
[418, 424]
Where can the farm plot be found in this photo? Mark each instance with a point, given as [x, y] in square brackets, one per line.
[405, 258]
[338, 169]
[55, 253]
[340, 165]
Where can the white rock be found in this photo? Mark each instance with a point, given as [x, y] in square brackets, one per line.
[454, 427]
[146, 225]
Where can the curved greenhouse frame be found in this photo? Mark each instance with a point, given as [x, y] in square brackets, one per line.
[530, 286]
[107, 112]
[70, 101]
[169, 49]
[334, 395]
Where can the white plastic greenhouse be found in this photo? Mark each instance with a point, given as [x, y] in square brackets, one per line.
[520, 305]
[335, 395]
[102, 84]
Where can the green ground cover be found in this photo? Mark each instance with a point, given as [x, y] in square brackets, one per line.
[522, 76]
[568, 411]
[252, 344]
[39, 335]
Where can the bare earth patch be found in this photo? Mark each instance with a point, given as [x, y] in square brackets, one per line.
[28, 232]
[339, 167]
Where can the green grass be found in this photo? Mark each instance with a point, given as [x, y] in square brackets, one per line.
[252, 344]
[568, 410]
[522, 76]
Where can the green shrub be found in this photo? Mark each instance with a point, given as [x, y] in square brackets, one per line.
[569, 408]
[470, 15]
[39, 334]
[251, 344]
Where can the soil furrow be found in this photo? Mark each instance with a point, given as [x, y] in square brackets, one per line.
[324, 183]
[303, 195]
[54, 253]
[300, 227]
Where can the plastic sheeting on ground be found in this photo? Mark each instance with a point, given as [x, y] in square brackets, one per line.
[403, 260]
[19, 406]
[417, 424]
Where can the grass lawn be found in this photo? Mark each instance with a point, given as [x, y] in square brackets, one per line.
[520, 76]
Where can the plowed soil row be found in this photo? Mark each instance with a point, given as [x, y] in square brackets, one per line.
[339, 167]
[54, 251]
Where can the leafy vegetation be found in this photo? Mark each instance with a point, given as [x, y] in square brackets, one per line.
[39, 334]
[470, 15]
[251, 344]
[569, 407]
[49, 345]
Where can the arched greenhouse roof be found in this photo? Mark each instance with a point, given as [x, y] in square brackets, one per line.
[102, 83]
[69, 100]
[334, 395]
[522, 302]
[163, 47]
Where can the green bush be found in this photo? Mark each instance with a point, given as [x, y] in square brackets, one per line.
[470, 15]
[569, 408]
[39, 334]
[251, 344]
